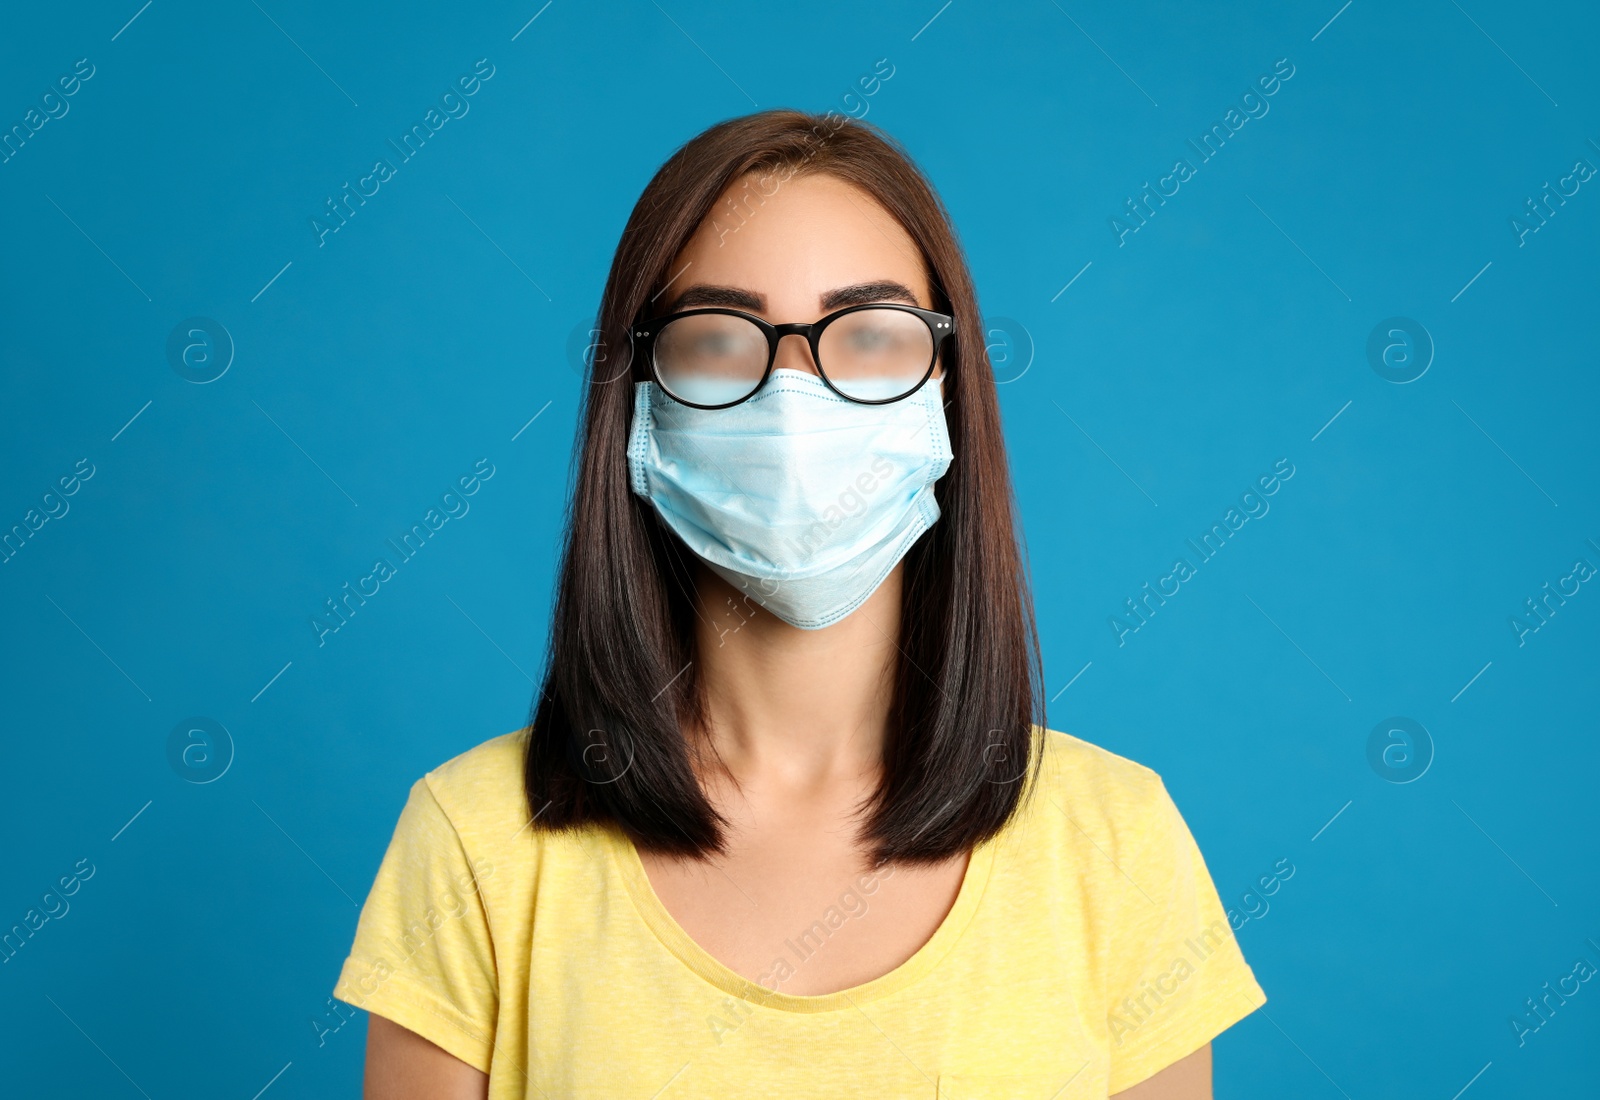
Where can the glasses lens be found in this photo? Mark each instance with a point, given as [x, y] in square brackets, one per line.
[710, 358]
[876, 354]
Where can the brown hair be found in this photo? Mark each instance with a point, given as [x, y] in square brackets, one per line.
[605, 742]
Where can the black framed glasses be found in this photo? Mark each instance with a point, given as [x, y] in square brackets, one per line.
[713, 357]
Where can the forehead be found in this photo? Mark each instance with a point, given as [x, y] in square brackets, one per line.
[800, 237]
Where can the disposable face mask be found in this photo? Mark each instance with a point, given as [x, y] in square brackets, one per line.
[799, 498]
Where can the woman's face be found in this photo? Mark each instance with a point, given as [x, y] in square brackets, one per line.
[815, 245]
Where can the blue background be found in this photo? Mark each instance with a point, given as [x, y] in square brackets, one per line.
[374, 369]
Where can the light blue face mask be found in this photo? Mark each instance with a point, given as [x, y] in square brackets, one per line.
[797, 497]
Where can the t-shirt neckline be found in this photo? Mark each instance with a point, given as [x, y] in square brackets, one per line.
[624, 857]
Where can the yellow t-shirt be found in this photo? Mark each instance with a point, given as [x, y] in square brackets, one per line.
[1086, 950]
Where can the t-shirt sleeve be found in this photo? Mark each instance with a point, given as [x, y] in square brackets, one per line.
[1177, 978]
[422, 955]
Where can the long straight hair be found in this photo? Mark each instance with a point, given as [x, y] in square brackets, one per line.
[605, 742]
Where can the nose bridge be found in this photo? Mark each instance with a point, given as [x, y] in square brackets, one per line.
[798, 355]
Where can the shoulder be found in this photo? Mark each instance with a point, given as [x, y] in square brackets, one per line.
[1087, 797]
[1130, 891]
[485, 763]
[481, 790]
[1093, 777]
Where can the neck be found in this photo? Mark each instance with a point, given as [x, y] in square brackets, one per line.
[801, 709]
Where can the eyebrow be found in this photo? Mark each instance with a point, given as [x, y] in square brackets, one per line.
[707, 294]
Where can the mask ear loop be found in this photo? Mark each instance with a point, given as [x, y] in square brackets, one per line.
[639, 438]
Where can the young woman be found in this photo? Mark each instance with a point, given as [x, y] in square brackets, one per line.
[786, 819]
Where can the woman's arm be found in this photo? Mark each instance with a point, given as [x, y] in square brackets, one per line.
[1188, 1078]
[402, 1065]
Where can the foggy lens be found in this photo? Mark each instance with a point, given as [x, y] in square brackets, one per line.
[710, 358]
[876, 354]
